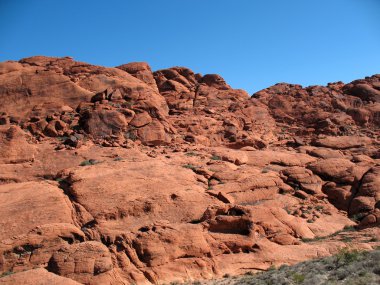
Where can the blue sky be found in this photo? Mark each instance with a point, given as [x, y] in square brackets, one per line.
[253, 44]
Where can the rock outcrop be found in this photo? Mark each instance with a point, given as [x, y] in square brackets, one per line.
[127, 176]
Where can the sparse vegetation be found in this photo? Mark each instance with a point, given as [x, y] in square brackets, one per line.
[265, 170]
[131, 135]
[319, 208]
[288, 210]
[189, 166]
[6, 273]
[346, 229]
[298, 278]
[347, 267]
[191, 153]
[216, 157]
[357, 217]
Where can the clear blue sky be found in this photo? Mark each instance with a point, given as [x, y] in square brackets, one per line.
[251, 43]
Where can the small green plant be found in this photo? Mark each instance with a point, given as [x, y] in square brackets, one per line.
[319, 208]
[129, 104]
[345, 229]
[272, 267]
[265, 170]
[216, 157]
[288, 210]
[298, 278]
[59, 179]
[89, 162]
[357, 217]
[348, 229]
[347, 239]
[62, 139]
[345, 256]
[6, 273]
[131, 135]
[191, 153]
[116, 105]
[189, 166]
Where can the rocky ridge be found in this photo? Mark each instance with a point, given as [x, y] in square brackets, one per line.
[123, 175]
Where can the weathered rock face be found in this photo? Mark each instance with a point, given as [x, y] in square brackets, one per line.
[336, 109]
[16, 145]
[208, 111]
[49, 89]
[127, 176]
[140, 70]
[34, 204]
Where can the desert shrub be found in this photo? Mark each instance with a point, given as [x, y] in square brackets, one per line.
[6, 273]
[189, 166]
[298, 278]
[319, 208]
[131, 135]
[345, 256]
[191, 153]
[347, 267]
[89, 162]
[216, 157]
[265, 170]
[358, 217]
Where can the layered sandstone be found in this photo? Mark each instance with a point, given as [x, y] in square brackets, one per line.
[123, 175]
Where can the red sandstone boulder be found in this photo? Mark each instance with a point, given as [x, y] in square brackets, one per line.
[86, 262]
[16, 145]
[367, 197]
[343, 142]
[140, 70]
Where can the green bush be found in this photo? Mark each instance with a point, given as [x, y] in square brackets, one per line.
[347, 267]
[189, 166]
[6, 273]
[89, 162]
[191, 153]
[215, 157]
[298, 278]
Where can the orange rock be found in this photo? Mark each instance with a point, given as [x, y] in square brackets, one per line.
[129, 176]
[15, 147]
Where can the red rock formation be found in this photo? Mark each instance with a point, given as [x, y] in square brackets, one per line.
[123, 175]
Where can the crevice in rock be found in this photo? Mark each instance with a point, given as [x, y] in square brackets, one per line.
[354, 191]
[219, 196]
[66, 187]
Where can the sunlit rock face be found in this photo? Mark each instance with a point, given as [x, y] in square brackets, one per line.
[127, 176]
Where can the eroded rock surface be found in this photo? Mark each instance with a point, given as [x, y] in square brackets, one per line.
[127, 176]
